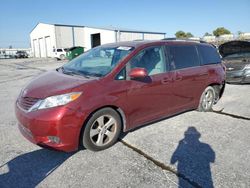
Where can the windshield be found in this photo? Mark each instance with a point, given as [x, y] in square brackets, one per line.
[238, 55]
[98, 61]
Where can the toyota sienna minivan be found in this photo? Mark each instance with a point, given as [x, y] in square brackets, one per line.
[117, 87]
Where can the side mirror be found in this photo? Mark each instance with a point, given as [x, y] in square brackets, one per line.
[138, 73]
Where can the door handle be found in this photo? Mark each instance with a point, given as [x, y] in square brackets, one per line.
[178, 78]
[166, 80]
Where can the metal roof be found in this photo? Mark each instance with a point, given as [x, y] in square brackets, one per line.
[111, 28]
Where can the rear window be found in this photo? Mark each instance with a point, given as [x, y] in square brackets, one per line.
[209, 55]
[183, 57]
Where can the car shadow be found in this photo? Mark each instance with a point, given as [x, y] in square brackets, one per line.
[29, 169]
[193, 159]
[124, 133]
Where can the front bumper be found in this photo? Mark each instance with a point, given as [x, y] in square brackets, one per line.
[240, 76]
[59, 122]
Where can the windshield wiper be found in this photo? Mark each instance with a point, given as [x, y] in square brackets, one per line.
[95, 74]
[70, 72]
[92, 74]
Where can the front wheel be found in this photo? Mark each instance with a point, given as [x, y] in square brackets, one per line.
[62, 57]
[207, 100]
[102, 130]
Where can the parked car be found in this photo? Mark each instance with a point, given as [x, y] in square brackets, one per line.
[115, 88]
[60, 53]
[236, 57]
[21, 54]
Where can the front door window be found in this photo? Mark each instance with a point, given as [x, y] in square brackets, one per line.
[152, 59]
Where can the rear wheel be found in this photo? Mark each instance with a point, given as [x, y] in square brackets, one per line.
[207, 100]
[102, 130]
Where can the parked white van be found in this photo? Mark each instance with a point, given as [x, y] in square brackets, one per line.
[59, 53]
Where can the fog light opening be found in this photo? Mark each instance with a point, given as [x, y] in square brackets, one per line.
[54, 139]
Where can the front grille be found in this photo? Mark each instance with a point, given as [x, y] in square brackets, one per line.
[26, 102]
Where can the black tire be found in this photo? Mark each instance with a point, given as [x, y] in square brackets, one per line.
[62, 57]
[103, 136]
[207, 100]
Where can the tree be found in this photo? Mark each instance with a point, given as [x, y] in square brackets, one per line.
[207, 34]
[221, 31]
[180, 34]
[189, 35]
[240, 32]
[240, 35]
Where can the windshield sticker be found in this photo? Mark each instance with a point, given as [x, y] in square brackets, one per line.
[124, 48]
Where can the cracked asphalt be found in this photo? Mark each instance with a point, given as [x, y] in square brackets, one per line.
[192, 149]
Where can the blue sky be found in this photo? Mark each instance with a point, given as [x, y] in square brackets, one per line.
[18, 17]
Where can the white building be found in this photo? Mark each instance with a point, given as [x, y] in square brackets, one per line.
[244, 36]
[209, 38]
[45, 37]
[194, 38]
[226, 37]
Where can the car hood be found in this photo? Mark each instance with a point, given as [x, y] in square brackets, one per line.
[53, 83]
[234, 47]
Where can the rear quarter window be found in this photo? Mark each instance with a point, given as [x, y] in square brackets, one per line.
[183, 56]
[208, 55]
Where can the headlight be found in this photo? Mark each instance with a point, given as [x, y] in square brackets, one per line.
[54, 101]
[247, 66]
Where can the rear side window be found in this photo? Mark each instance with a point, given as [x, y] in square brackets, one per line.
[183, 56]
[59, 50]
[208, 55]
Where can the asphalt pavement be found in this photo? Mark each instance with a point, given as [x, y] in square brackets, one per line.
[192, 149]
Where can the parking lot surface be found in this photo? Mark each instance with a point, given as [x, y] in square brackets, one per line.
[191, 149]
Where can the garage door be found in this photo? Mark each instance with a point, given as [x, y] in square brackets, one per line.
[48, 47]
[36, 48]
[42, 47]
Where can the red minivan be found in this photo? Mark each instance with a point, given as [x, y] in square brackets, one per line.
[117, 87]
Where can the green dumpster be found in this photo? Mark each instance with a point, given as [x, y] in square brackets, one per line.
[74, 52]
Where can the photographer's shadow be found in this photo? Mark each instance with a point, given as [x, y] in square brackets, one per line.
[29, 169]
[193, 160]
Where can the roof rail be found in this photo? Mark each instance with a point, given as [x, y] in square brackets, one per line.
[185, 39]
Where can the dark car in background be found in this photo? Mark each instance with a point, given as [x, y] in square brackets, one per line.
[21, 54]
[236, 57]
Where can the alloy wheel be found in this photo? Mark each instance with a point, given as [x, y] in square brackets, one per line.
[103, 130]
[208, 99]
